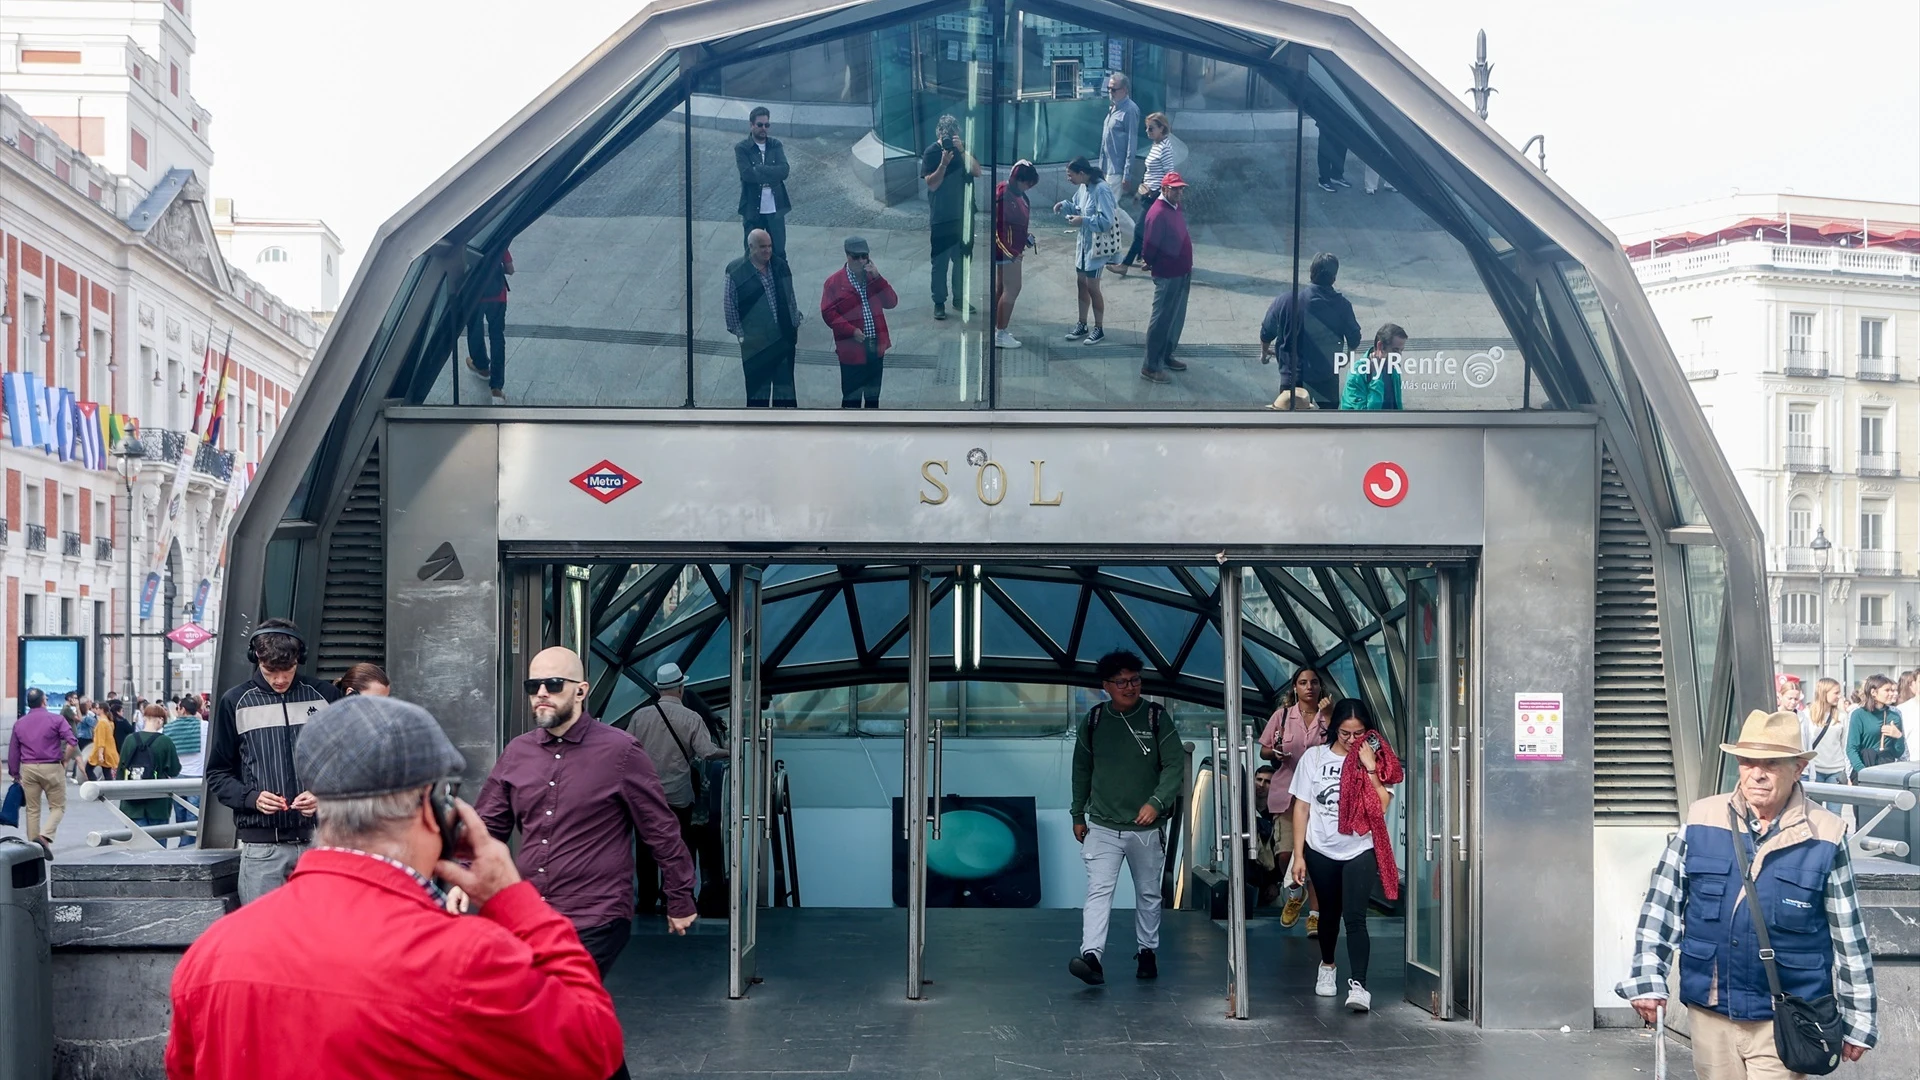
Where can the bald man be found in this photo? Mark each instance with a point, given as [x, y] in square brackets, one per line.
[579, 791]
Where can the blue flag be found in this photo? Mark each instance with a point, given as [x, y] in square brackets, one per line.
[24, 402]
[60, 432]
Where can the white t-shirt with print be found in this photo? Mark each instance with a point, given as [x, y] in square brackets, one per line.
[1317, 780]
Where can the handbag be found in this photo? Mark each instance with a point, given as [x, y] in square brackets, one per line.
[1806, 1034]
[11, 806]
[1106, 244]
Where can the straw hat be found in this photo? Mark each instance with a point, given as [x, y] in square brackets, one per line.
[1769, 735]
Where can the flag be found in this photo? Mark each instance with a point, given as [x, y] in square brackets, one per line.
[43, 415]
[60, 431]
[93, 441]
[220, 396]
[23, 407]
[206, 374]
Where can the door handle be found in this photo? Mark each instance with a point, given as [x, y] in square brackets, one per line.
[1460, 746]
[1219, 799]
[906, 780]
[1253, 799]
[1429, 753]
[939, 742]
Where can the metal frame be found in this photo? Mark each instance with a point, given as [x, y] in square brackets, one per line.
[749, 822]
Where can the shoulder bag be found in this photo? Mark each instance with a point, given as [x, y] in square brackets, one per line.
[1806, 1034]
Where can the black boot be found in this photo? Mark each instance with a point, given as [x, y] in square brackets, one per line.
[1086, 968]
[1149, 967]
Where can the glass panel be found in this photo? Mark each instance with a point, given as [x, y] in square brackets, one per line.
[1587, 299]
[1706, 599]
[1424, 780]
[1686, 502]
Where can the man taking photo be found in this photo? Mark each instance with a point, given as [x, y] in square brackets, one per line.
[362, 965]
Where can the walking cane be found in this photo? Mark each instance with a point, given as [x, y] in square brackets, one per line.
[1660, 1042]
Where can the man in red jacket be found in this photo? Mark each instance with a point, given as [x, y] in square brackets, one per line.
[853, 303]
[359, 967]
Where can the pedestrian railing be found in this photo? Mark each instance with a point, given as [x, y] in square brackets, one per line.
[1887, 799]
[135, 836]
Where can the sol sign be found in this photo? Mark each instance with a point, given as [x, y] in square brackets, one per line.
[1385, 484]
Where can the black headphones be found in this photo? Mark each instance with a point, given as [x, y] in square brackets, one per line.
[440, 797]
[254, 658]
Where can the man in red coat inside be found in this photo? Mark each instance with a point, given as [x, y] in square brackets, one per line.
[359, 965]
[853, 304]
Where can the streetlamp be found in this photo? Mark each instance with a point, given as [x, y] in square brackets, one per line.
[130, 451]
[1822, 552]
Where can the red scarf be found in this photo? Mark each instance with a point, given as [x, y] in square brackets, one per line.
[1361, 810]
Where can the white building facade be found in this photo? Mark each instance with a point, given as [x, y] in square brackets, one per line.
[114, 289]
[1798, 321]
[297, 258]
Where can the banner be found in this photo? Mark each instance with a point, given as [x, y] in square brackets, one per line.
[148, 591]
[172, 498]
[200, 599]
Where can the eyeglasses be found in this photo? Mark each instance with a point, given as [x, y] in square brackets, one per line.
[1125, 684]
[552, 686]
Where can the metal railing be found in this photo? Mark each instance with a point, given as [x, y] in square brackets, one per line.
[213, 461]
[70, 544]
[1797, 634]
[1876, 464]
[142, 837]
[36, 537]
[1878, 368]
[1887, 799]
[207, 458]
[1880, 636]
[103, 548]
[1804, 364]
[1878, 563]
[1806, 458]
[4, 535]
[1800, 559]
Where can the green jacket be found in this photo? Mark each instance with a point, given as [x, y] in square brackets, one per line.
[160, 761]
[1863, 737]
[1370, 389]
[1113, 778]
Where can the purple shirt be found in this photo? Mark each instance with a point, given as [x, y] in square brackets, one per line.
[37, 738]
[577, 800]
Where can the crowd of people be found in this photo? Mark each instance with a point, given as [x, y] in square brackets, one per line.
[1850, 731]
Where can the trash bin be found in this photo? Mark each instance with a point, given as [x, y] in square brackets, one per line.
[1900, 824]
[26, 963]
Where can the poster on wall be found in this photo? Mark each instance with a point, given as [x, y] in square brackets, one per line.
[1539, 727]
[57, 665]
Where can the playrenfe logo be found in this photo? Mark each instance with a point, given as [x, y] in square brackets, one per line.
[606, 481]
[1479, 369]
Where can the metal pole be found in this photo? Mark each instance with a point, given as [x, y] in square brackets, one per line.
[914, 810]
[1239, 826]
[1822, 673]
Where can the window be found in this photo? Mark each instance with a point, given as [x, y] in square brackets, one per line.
[102, 528]
[30, 615]
[1803, 608]
[326, 262]
[69, 513]
[1703, 337]
[1873, 427]
[173, 78]
[1800, 333]
[1800, 425]
[33, 311]
[1800, 522]
[67, 373]
[66, 615]
[49, 56]
[1873, 610]
[1873, 525]
[1873, 337]
[137, 150]
[35, 508]
[272, 255]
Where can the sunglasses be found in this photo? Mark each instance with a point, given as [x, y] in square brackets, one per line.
[860, 258]
[551, 686]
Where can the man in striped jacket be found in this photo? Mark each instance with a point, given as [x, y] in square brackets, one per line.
[250, 760]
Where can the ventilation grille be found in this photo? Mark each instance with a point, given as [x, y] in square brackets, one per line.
[1632, 733]
[353, 621]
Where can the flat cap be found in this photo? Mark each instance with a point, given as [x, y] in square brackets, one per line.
[363, 745]
[856, 245]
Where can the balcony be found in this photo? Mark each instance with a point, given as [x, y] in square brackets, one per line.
[1878, 563]
[1807, 459]
[1879, 464]
[165, 447]
[103, 548]
[36, 537]
[70, 544]
[1872, 635]
[1878, 368]
[1800, 634]
[1800, 560]
[1702, 365]
[1804, 364]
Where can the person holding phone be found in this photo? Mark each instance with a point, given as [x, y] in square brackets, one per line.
[1874, 734]
[1091, 211]
[1300, 722]
[1341, 791]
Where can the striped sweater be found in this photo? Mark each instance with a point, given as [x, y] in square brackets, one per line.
[252, 738]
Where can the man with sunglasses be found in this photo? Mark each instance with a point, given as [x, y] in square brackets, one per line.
[579, 791]
[1127, 763]
[853, 304]
[762, 163]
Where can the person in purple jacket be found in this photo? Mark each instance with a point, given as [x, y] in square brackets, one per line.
[37, 756]
[1168, 250]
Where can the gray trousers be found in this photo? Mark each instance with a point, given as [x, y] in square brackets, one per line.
[1169, 319]
[264, 867]
[1146, 855]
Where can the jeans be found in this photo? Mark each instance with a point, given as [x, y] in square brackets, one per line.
[488, 326]
[1169, 319]
[1140, 226]
[1831, 778]
[950, 256]
[1344, 887]
[1332, 157]
[1145, 852]
[860, 383]
[776, 226]
[605, 944]
[264, 867]
[769, 377]
[181, 813]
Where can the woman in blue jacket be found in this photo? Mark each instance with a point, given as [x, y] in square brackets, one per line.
[1874, 735]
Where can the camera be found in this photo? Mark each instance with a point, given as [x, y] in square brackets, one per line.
[946, 143]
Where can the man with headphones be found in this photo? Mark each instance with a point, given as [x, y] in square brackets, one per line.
[250, 762]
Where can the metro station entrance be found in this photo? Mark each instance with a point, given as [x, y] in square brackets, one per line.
[901, 733]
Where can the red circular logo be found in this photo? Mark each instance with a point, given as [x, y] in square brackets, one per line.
[1385, 484]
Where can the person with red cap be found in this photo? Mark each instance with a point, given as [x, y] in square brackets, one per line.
[1168, 250]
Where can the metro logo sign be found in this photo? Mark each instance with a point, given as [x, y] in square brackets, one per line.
[606, 481]
[189, 637]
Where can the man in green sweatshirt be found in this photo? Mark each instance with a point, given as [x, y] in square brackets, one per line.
[1126, 775]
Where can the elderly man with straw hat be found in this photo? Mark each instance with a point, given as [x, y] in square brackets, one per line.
[1763, 840]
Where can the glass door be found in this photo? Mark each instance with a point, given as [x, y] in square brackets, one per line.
[918, 743]
[748, 824]
[1437, 793]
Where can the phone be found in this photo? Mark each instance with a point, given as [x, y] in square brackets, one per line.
[447, 813]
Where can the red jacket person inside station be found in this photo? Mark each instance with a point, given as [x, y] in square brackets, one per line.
[359, 966]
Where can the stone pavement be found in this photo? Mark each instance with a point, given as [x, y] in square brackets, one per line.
[597, 312]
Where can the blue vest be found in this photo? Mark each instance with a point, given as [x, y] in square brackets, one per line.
[1718, 951]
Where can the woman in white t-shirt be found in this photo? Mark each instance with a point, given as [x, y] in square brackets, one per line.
[1343, 866]
[1824, 731]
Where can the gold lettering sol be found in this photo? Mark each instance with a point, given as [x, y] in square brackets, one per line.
[934, 471]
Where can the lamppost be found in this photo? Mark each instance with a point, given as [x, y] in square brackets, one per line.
[130, 451]
[1822, 551]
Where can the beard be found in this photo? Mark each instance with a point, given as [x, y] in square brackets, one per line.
[563, 711]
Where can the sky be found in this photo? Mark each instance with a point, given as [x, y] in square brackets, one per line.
[346, 110]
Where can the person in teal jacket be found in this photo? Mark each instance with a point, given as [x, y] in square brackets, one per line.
[1874, 734]
[1373, 383]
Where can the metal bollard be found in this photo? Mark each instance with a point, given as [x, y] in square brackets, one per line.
[26, 963]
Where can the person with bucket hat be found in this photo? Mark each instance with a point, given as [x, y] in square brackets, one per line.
[1764, 839]
[363, 964]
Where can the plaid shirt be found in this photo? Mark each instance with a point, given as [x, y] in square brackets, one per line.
[866, 307]
[1658, 934]
[434, 892]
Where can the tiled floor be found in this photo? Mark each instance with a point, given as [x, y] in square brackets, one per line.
[1001, 1004]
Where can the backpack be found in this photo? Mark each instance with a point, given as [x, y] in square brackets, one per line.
[1154, 713]
[137, 747]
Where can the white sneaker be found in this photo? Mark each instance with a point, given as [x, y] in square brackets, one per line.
[1358, 998]
[1323, 982]
[1004, 340]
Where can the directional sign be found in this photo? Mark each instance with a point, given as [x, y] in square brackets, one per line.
[189, 637]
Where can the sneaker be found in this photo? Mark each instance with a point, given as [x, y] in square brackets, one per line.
[1326, 185]
[478, 369]
[1323, 982]
[940, 312]
[1313, 924]
[1340, 181]
[1079, 331]
[1086, 968]
[1358, 999]
[1149, 967]
[499, 394]
[1155, 376]
[1176, 365]
[1296, 899]
[1099, 335]
[1005, 340]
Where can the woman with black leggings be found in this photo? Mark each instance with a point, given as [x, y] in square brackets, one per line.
[1343, 864]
